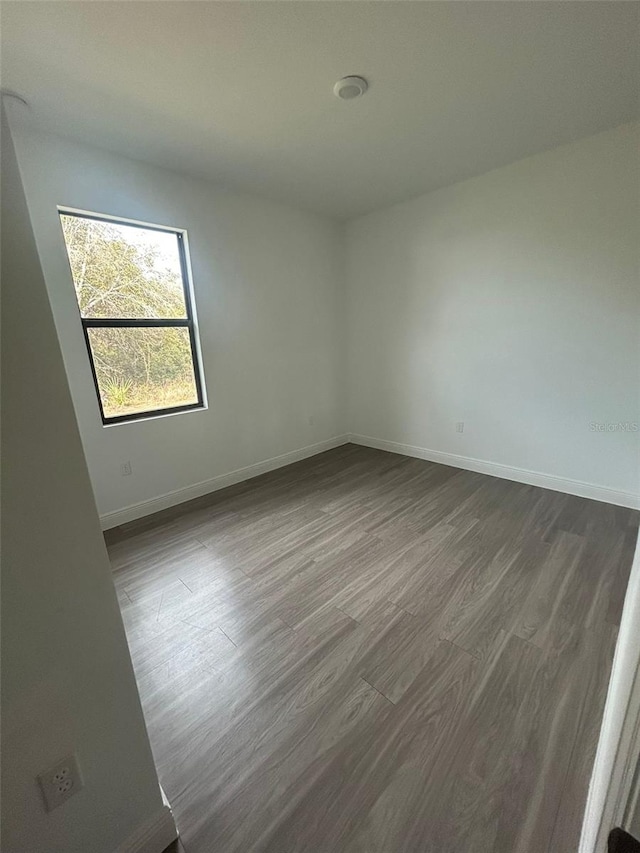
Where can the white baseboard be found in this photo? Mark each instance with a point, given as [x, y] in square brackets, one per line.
[154, 836]
[506, 472]
[178, 496]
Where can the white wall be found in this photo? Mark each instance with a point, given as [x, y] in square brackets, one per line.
[510, 302]
[67, 680]
[268, 287]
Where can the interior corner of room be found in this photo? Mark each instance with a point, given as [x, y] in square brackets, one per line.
[513, 294]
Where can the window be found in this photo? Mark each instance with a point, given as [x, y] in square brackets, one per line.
[137, 315]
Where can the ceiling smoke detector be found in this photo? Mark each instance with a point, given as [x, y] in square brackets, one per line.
[350, 87]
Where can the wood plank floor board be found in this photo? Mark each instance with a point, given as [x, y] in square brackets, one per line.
[368, 653]
[548, 729]
[544, 599]
[479, 755]
[493, 601]
[385, 770]
[292, 767]
[397, 657]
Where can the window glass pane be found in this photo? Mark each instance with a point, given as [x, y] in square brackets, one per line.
[140, 370]
[122, 270]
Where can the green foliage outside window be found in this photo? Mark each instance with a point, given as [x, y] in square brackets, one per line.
[124, 272]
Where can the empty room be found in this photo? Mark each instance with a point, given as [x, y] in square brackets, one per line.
[320, 426]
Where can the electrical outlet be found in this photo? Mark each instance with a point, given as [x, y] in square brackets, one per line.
[460, 426]
[311, 420]
[60, 782]
[125, 469]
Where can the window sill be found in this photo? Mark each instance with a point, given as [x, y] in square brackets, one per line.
[150, 416]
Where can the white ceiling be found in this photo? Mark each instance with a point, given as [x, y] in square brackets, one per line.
[241, 92]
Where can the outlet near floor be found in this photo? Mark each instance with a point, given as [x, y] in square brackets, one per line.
[59, 783]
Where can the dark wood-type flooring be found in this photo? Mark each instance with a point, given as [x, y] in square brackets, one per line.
[368, 653]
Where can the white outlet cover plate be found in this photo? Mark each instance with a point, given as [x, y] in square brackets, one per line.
[60, 782]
